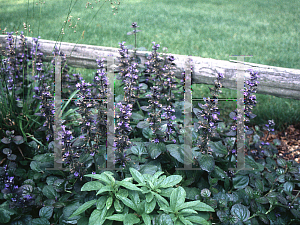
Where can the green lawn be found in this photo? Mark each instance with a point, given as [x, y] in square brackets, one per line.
[268, 30]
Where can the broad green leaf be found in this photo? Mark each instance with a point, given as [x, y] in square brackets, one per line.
[49, 192]
[118, 206]
[160, 200]
[98, 217]
[202, 207]
[40, 221]
[104, 189]
[83, 207]
[184, 221]
[46, 212]
[177, 198]
[101, 202]
[176, 152]
[137, 116]
[188, 211]
[163, 219]
[218, 148]
[170, 181]
[109, 202]
[241, 212]
[128, 185]
[131, 219]
[259, 185]
[198, 220]
[149, 197]
[116, 217]
[123, 192]
[207, 162]
[288, 186]
[92, 186]
[138, 148]
[5, 215]
[137, 176]
[240, 182]
[281, 162]
[154, 150]
[143, 124]
[149, 207]
[146, 218]
[34, 165]
[69, 210]
[188, 205]
[127, 202]
[101, 177]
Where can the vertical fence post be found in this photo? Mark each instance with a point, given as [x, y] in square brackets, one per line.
[188, 153]
[57, 117]
[240, 116]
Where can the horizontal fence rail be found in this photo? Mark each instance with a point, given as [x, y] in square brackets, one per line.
[276, 81]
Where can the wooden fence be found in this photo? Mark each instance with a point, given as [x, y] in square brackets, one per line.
[276, 81]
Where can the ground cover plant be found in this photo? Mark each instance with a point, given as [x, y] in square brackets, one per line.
[149, 143]
[212, 29]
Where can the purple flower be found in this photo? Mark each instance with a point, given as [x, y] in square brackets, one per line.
[76, 174]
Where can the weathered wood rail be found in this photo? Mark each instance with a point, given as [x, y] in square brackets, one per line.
[276, 81]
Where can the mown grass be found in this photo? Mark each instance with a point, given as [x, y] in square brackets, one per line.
[207, 28]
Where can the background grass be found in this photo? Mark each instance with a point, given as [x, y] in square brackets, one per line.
[268, 30]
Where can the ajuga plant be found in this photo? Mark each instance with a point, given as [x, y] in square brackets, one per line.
[143, 202]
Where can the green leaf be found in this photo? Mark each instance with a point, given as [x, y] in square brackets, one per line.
[281, 162]
[200, 206]
[127, 202]
[184, 221]
[98, 217]
[218, 148]
[105, 189]
[34, 165]
[188, 205]
[160, 200]
[149, 207]
[49, 192]
[288, 186]
[40, 221]
[177, 198]
[109, 202]
[18, 140]
[176, 152]
[92, 186]
[101, 177]
[146, 218]
[240, 182]
[170, 181]
[137, 116]
[116, 217]
[207, 162]
[259, 185]
[5, 215]
[83, 207]
[118, 206]
[46, 212]
[143, 124]
[188, 211]
[149, 197]
[138, 148]
[128, 185]
[241, 212]
[154, 150]
[197, 220]
[69, 210]
[131, 219]
[101, 202]
[137, 176]
[163, 219]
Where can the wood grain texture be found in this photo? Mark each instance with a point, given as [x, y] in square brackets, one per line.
[276, 81]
